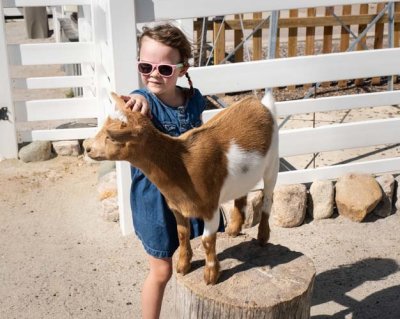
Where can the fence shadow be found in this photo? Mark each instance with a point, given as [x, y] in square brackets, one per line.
[332, 285]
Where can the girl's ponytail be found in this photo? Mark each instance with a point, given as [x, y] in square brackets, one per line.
[191, 89]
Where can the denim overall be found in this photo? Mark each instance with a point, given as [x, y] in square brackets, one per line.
[154, 222]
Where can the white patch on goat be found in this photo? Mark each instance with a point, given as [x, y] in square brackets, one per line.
[211, 226]
[245, 169]
[119, 115]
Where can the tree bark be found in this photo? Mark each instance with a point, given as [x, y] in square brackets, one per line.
[255, 282]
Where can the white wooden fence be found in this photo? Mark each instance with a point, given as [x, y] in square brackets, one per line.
[112, 51]
[95, 52]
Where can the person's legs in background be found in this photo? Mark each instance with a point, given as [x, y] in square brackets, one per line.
[36, 21]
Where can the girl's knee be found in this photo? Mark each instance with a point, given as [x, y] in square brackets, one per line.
[161, 269]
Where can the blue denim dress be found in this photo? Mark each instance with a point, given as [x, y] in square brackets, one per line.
[154, 222]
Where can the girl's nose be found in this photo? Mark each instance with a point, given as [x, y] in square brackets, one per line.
[154, 72]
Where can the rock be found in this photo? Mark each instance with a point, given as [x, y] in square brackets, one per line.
[384, 207]
[109, 209]
[105, 168]
[36, 151]
[289, 205]
[67, 148]
[322, 197]
[107, 186]
[107, 189]
[397, 197]
[357, 195]
[252, 209]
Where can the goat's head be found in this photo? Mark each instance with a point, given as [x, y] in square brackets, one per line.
[121, 136]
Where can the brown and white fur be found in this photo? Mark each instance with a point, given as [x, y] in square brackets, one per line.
[201, 169]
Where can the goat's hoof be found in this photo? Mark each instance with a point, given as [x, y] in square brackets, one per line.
[232, 230]
[183, 267]
[262, 239]
[211, 274]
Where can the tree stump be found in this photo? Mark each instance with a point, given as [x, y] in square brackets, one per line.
[255, 282]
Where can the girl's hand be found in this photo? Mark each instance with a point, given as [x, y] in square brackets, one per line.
[137, 103]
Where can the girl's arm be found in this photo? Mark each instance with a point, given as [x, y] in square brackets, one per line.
[137, 103]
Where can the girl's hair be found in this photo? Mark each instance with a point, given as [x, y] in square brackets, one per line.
[173, 37]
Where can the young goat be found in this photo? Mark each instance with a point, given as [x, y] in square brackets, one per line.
[201, 169]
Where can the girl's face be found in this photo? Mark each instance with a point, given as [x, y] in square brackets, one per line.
[157, 53]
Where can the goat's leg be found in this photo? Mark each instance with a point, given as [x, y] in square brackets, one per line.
[185, 250]
[237, 216]
[270, 177]
[263, 226]
[211, 269]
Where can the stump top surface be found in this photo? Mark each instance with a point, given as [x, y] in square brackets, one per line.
[251, 275]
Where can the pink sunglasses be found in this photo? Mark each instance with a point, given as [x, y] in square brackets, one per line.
[165, 70]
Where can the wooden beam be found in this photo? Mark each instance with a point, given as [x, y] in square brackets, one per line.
[292, 40]
[257, 39]
[303, 22]
[363, 10]
[378, 41]
[327, 40]
[219, 41]
[344, 38]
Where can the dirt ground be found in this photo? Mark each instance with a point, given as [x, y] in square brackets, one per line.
[59, 259]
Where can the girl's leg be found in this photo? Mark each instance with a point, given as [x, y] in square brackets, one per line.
[154, 285]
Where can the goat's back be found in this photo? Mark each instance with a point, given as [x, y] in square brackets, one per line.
[247, 123]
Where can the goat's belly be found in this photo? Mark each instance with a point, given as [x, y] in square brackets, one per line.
[245, 169]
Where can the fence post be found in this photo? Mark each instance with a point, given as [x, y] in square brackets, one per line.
[363, 10]
[219, 39]
[238, 36]
[257, 38]
[344, 38]
[8, 145]
[327, 41]
[396, 32]
[378, 41]
[292, 41]
[310, 38]
[123, 44]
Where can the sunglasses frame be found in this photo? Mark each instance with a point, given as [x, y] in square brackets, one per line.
[157, 65]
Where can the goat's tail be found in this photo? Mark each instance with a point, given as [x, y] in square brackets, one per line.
[269, 102]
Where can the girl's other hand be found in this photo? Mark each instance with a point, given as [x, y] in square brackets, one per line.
[137, 103]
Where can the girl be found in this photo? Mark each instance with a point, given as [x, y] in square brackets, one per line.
[164, 52]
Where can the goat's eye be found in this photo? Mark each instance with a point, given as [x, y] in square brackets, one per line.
[109, 138]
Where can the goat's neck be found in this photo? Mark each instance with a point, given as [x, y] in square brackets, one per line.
[162, 160]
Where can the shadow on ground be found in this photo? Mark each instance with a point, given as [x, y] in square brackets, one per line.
[333, 285]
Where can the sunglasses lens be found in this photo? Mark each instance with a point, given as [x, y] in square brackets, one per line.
[165, 70]
[145, 68]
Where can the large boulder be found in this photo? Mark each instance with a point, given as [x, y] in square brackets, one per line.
[357, 195]
[289, 205]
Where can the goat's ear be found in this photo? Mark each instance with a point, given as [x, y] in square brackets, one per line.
[119, 133]
[119, 101]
